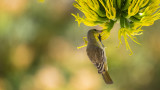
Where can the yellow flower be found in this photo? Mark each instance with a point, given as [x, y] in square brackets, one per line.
[133, 15]
[135, 6]
[129, 33]
[41, 1]
[96, 12]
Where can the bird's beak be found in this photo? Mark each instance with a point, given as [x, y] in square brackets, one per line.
[99, 37]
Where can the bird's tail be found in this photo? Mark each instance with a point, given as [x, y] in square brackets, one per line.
[107, 77]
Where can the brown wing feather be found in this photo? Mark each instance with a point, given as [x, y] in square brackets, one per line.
[97, 56]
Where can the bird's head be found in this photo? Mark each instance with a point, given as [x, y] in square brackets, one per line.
[93, 34]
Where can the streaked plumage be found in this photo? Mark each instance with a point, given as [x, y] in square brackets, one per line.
[96, 54]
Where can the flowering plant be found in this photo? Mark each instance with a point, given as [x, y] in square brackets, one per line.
[132, 14]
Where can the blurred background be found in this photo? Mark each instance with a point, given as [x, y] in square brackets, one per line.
[38, 51]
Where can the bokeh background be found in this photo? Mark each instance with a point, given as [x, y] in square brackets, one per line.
[38, 51]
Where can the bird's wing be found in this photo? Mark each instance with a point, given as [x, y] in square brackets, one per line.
[97, 56]
[100, 59]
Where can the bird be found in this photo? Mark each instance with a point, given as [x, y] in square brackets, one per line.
[96, 53]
